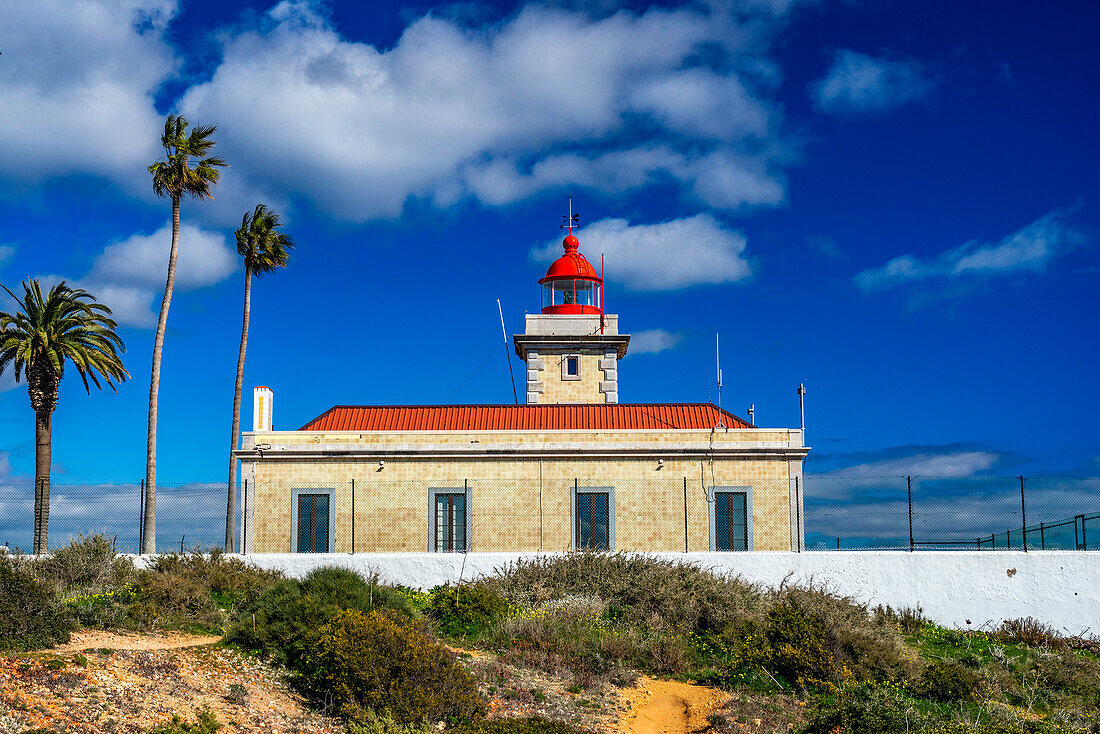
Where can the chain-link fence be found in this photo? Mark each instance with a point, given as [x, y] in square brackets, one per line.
[951, 513]
[663, 513]
[187, 514]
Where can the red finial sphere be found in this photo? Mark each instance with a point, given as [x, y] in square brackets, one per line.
[571, 243]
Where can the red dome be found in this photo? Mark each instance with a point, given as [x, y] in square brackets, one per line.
[572, 264]
[571, 285]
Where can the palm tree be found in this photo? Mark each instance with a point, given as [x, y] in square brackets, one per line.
[187, 170]
[264, 249]
[36, 340]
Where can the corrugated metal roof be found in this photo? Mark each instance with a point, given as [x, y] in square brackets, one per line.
[596, 417]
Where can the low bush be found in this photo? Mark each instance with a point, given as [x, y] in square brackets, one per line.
[908, 620]
[1030, 632]
[384, 664]
[88, 564]
[465, 610]
[278, 622]
[532, 725]
[943, 681]
[637, 588]
[865, 710]
[195, 590]
[206, 724]
[866, 645]
[576, 640]
[372, 723]
[31, 614]
[794, 644]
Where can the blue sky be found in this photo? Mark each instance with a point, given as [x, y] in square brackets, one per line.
[894, 203]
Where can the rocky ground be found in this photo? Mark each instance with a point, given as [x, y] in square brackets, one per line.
[125, 682]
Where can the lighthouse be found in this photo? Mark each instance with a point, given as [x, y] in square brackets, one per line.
[571, 348]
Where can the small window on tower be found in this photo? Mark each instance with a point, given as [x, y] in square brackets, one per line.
[571, 368]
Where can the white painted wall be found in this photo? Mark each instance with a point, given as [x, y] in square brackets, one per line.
[965, 589]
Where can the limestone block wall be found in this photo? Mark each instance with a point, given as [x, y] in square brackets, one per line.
[547, 383]
[517, 504]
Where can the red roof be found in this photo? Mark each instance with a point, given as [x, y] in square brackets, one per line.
[595, 417]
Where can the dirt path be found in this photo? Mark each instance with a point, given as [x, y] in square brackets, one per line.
[669, 707]
[105, 640]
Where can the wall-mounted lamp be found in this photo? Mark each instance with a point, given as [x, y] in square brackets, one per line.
[660, 464]
[381, 465]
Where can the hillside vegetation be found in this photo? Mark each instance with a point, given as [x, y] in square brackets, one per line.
[794, 658]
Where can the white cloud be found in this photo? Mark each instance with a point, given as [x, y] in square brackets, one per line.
[951, 464]
[128, 276]
[681, 253]
[548, 98]
[142, 260]
[6, 252]
[860, 83]
[77, 80]
[652, 341]
[1029, 249]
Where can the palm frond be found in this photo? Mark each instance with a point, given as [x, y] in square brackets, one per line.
[63, 325]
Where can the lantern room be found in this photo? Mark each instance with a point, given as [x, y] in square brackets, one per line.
[571, 285]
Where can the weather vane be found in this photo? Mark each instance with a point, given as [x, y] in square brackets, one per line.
[571, 220]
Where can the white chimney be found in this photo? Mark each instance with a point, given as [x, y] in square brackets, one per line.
[263, 401]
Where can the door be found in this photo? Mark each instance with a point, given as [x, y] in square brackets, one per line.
[313, 523]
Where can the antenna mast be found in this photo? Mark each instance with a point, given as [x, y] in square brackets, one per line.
[504, 333]
[802, 410]
[718, 368]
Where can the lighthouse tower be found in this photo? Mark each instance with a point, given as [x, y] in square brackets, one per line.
[572, 348]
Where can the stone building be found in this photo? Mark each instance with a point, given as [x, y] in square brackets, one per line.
[573, 467]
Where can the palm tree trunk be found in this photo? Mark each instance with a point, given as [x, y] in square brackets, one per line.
[149, 513]
[231, 507]
[42, 459]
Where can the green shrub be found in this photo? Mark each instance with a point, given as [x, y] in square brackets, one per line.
[909, 620]
[865, 710]
[865, 645]
[637, 588]
[195, 589]
[576, 640]
[31, 614]
[372, 723]
[206, 724]
[279, 622]
[385, 664]
[942, 681]
[531, 725]
[467, 609]
[1030, 632]
[793, 645]
[89, 564]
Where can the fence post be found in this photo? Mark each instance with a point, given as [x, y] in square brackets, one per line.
[469, 545]
[797, 514]
[685, 514]
[1008, 539]
[353, 515]
[244, 519]
[1042, 536]
[1023, 512]
[909, 490]
[1084, 535]
[141, 517]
